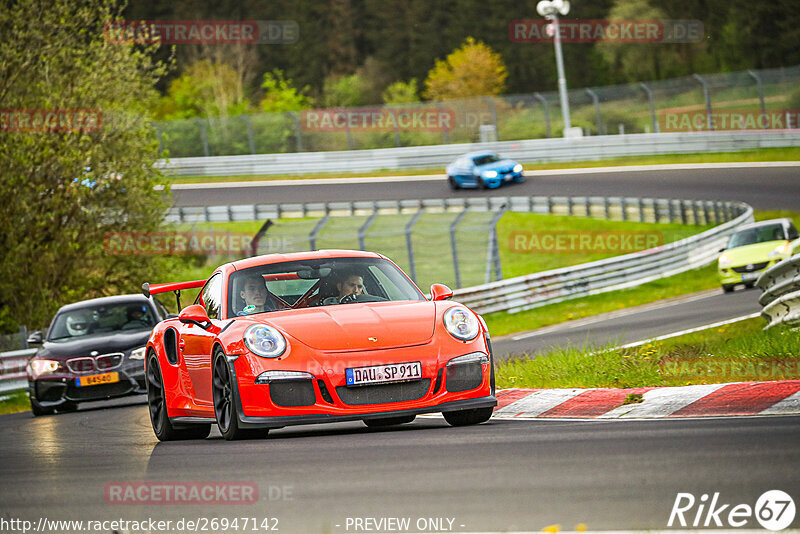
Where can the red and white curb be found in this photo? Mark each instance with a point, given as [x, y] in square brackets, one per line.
[707, 400]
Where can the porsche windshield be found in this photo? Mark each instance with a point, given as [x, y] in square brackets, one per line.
[92, 320]
[759, 234]
[322, 282]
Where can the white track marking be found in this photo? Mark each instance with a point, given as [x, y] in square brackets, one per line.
[537, 402]
[789, 405]
[662, 402]
[690, 330]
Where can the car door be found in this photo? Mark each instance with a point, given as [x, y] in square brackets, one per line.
[196, 343]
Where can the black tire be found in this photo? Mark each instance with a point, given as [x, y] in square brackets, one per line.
[67, 407]
[482, 183]
[468, 417]
[157, 406]
[728, 288]
[224, 408]
[453, 184]
[389, 421]
[750, 285]
[38, 410]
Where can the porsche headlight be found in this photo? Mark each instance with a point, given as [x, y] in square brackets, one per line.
[518, 168]
[264, 341]
[43, 367]
[780, 250]
[461, 323]
[137, 354]
[724, 261]
[489, 174]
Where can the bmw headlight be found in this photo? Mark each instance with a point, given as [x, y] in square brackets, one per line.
[264, 341]
[724, 261]
[461, 323]
[489, 174]
[43, 367]
[517, 168]
[137, 354]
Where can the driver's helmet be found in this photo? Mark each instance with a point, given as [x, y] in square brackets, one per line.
[77, 325]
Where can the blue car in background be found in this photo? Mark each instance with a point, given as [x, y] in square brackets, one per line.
[486, 170]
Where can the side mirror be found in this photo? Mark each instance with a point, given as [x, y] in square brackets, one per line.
[35, 338]
[440, 292]
[195, 314]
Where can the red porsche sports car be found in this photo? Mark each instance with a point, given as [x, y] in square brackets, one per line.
[314, 337]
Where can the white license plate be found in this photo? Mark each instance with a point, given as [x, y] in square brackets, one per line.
[379, 374]
[749, 277]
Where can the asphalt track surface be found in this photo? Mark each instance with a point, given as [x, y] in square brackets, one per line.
[763, 188]
[502, 475]
[634, 324]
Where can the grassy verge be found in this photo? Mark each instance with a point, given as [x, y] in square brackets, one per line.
[739, 352]
[14, 402]
[764, 154]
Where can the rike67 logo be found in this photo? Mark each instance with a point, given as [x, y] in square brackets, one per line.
[774, 510]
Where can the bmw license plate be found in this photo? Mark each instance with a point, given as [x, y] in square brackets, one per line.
[749, 277]
[93, 380]
[379, 374]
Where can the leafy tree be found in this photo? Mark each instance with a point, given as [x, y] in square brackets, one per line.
[281, 96]
[472, 70]
[63, 190]
[345, 91]
[401, 92]
[205, 89]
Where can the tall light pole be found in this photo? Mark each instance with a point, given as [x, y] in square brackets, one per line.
[551, 9]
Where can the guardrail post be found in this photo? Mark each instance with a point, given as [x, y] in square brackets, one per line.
[707, 96]
[607, 207]
[671, 211]
[454, 247]
[546, 111]
[349, 134]
[753, 74]
[598, 120]
[362, 232]
[624, 207]
[492, 110]
[549, 205]
[569, 205]
[641, 209]
[298, 134]
[652, 106]
[203, 136]
[587, 205]
[250, 139]
[409, 245]
[395, 128]
[717, 214]
[706, 216]
[683, 212]
[493, 252]
[656, 214]
[312, 237]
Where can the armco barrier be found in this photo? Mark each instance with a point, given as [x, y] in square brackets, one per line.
[12, 369]
[781, 293]
[548, 287]
[532, 150]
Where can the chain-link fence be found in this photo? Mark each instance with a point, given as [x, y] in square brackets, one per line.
[453, 247]
[707, 102]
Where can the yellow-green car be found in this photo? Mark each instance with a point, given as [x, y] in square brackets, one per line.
[754, 248]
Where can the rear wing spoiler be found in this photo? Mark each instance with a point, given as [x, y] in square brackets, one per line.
[148, 290]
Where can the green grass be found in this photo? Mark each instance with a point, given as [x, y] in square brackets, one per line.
[763, 154]
[14, 402]
[738, 352]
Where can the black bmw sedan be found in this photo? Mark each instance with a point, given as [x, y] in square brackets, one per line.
[93, 350]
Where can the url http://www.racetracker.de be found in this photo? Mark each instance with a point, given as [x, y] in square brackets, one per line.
[144, 526]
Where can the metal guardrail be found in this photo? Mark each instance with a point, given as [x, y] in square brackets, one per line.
[781, 293]
[532, 150]
[12, 369]
[548, 287]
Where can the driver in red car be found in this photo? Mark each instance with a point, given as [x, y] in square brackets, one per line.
[350, 287]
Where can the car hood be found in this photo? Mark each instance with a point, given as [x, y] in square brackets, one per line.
[103, 344]
[364, 326]
[502, 165]
[757, 252]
